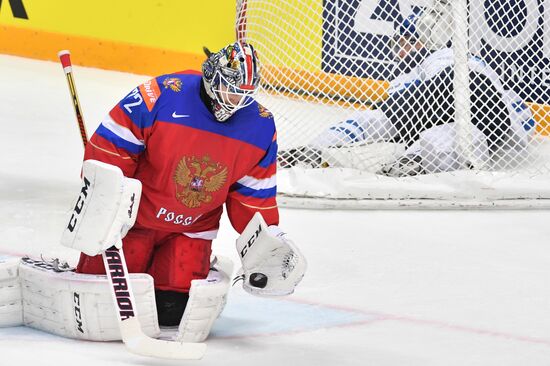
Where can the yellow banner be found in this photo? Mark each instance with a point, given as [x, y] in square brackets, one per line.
[177, 25]
[143, 37]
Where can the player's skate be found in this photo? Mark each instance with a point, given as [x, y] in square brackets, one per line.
[407, 165]
[301, 156]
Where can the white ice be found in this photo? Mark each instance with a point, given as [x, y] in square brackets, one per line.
[384, 288]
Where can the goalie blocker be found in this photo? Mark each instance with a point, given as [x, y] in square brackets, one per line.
[105, 209]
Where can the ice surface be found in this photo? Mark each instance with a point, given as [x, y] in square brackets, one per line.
[383, 287]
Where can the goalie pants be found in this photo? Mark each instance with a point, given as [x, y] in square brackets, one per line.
[172, 259]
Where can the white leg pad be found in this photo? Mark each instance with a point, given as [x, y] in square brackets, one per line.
[11, 305]
[80, 306]
[439, 151]
[207, 298]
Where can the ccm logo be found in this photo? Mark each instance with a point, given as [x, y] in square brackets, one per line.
[77, 312]
[251, 241]
[79, 205]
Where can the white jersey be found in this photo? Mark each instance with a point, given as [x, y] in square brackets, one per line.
[439, 61]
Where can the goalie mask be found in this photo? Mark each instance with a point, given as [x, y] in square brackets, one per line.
[430, 30]
[408, 44]
[231, 78]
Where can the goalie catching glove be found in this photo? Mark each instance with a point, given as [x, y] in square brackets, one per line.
[271, 264]
[105, 209]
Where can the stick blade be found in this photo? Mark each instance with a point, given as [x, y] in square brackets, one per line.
[139, 343]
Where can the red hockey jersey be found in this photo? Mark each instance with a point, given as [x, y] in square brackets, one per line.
[189, 163]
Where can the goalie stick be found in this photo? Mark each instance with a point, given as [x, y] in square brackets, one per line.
[65, 58]
[115, 266]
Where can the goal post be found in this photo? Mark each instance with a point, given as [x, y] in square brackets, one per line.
[468, 106]
[461, 77]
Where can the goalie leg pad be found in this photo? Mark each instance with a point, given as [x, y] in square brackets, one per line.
[207, 298]
[80, 306]
[11, 305]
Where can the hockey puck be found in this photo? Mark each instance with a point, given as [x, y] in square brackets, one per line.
[258, 280]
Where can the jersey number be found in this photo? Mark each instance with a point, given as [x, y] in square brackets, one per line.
[137, 97]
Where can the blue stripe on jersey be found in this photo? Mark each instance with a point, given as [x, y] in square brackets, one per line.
[528, 125]
[270, 157]
[118, 141]
[519, 106]
[349, 133]
[356, 124]
[415, 82]
[256, 193]
[248, 129]
[245, 125]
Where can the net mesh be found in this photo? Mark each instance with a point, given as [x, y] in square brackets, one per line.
[441, 101]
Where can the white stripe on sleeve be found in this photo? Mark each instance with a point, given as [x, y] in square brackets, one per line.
[257, 184]
[120, 131]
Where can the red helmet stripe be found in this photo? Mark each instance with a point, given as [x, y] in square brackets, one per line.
[249, 68]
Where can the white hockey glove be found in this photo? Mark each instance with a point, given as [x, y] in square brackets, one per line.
[435, 25]
[105, 209]
[271, 264]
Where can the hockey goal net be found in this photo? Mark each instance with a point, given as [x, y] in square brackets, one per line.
[449, 109]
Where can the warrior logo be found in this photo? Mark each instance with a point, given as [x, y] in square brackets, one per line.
[119, 281]
[196, 178]
[172, 83]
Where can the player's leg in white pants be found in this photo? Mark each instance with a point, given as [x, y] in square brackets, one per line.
[438, 150]
[345, 144]
[362, 126]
